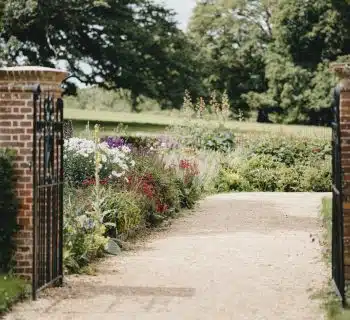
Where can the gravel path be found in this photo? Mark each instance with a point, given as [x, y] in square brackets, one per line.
[241, 256]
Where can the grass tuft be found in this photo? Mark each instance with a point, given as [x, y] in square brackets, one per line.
[11, 290]
[331, 302]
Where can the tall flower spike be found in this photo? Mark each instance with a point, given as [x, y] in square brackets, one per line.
[225, 106]
[97, 155]
[187, 105]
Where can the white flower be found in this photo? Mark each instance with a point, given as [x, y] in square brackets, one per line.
[116, 174]
[132, 163]
[125, 149]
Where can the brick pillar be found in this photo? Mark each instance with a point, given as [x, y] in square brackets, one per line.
[16, 132]
[343, 73]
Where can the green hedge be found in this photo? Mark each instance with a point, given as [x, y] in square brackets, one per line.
[8, 209]
[279, 163]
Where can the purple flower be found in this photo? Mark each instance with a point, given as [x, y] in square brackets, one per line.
[115, 142]
[168, 142]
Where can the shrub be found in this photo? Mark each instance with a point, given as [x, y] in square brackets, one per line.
[266, 172]
[188, 183]
[260, 173]
[84, 231]
[153, 179]
[126, 210]
[290, 150]
[79, 160]
[230, 180]
[8, 210]
[317, 178]
[199, 136]
[288, 179]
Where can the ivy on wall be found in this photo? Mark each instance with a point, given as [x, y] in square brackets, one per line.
[8, 209]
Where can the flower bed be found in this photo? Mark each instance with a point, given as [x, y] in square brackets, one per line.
[114, 188]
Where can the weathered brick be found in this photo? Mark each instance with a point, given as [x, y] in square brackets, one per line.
[16, 131]
[9, 116]
[26, 123]
[27, 110]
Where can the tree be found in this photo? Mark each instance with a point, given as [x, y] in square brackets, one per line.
[232, 37]
[307, 36]
[130, 44]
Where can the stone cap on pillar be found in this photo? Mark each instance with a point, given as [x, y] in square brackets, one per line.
[27, 77]
[342, 70]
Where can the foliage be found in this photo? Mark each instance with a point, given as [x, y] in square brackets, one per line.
[273, 56]
[232, 37]
[142, 51]
[290, 151]
[195, 133]
[99, 99]
[278, 164]
[127, 210]
[99, 207]
[189, 186]
[198, 136]
[11, 290]
[331, 301]
[158, 183]
[8, 209]
[79, 160]
[84, 231]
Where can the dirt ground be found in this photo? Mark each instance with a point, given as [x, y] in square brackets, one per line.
[240, 256]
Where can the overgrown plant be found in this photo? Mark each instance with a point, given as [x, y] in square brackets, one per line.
[85, 228]
[195, 132]
[278, 164]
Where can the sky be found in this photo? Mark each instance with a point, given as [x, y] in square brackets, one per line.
[182, 7]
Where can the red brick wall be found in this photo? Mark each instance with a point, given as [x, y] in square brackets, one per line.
[16, 132]
[344, 76]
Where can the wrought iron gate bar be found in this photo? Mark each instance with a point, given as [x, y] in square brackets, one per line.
[47, 191]
[337, 203]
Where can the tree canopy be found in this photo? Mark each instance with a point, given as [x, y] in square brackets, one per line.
[130, 44]
[273, 56]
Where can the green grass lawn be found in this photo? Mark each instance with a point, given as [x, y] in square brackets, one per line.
[332, 305]
[157, 122]
[11, 290]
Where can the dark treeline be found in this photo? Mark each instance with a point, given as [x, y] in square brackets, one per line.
[271, 56]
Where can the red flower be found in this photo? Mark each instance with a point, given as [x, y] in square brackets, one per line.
[89, 182]
[161, 208]
[185, 164]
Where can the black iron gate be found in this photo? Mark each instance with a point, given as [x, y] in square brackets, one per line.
[47, 191]
[337, 205]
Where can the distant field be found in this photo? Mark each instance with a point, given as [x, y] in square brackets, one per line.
[156, 123]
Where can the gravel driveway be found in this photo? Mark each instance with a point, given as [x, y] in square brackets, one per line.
[240, 256]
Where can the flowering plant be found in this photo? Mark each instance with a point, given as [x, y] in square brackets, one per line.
[79, 158]
[190, 183]
[147, 186]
